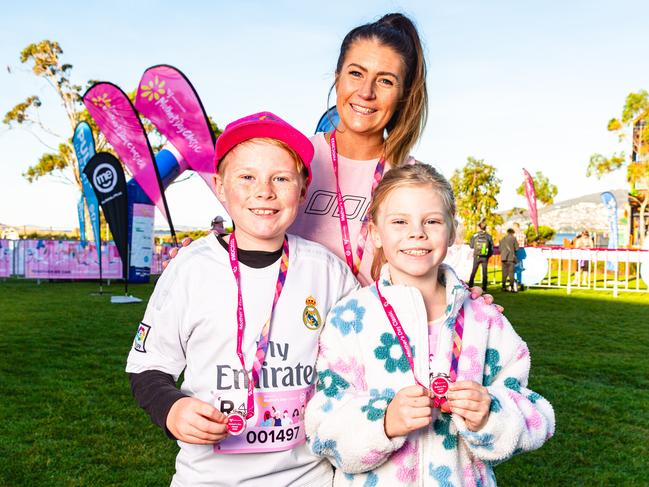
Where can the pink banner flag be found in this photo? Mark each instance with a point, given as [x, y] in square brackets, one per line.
[531, 199]
[115, 116]
[167, 98]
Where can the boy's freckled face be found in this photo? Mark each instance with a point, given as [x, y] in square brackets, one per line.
[261, 189]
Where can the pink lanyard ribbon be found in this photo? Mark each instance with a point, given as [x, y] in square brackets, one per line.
[262, 346]
[405, 344]
[353, 263]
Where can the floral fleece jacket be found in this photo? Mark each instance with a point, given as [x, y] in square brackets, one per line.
[361, 367]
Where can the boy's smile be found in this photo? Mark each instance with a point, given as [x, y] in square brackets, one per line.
[261, 188]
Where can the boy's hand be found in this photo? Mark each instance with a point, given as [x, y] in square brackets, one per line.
[476, 292]
[410, 410]
[194, 421]
[469, 400]
[174, 251]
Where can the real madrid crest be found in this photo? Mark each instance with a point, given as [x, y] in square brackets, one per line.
[310, 315]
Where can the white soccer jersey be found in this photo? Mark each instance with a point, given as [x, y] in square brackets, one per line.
[190, 324]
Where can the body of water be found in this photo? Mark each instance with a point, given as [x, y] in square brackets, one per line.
[559, 237]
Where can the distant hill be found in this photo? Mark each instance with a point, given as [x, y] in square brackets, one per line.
[574, 215]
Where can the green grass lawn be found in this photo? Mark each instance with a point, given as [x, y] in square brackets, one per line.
[68, 418]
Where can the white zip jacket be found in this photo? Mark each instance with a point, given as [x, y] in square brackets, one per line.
[361, 367]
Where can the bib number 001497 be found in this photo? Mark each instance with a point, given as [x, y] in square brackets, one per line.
[272, 436]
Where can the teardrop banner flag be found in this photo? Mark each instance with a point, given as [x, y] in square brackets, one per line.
[84, 148]
[118, 121]
[531, 199]
[82, 221]
[107, 178]
[610, 203]
[167, 98]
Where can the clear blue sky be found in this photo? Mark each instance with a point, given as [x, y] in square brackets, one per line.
[519, 84]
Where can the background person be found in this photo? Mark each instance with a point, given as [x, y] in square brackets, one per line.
[217, 225]
[583, 241]
[521, 238]
[483, 248]
[508, 248]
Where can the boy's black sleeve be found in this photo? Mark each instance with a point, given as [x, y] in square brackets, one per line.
[155, 392]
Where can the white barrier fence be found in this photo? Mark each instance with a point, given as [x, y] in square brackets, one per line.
[597, 269]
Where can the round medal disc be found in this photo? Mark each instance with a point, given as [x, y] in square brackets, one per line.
[236, 423]
[439, 385]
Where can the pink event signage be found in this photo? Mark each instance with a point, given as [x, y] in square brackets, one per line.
[68, 259]
[5, 258]
[116, 118]
[531, 199]
[160, 255]
[166, 97]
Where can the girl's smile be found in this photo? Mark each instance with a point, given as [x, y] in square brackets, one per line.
[413, 229]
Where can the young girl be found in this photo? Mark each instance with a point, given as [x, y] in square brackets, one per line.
[433, 384]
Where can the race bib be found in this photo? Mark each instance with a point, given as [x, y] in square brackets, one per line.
[278, 424]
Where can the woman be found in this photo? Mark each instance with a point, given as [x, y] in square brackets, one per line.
[382, 103]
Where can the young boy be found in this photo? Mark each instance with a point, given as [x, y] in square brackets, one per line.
[241, 316]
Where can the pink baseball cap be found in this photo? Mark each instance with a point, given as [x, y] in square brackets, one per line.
[264, 124]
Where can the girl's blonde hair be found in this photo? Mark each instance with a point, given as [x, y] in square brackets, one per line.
[418, 174]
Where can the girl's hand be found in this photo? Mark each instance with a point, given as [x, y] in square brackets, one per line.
[471, 401]
[410, 410]
[174, 252]
[194, 421]
[476, 292]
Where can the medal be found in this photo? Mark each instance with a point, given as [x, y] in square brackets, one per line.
[439, 384]
[353, 263]
[236, 423]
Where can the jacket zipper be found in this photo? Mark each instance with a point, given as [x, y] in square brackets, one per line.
[422, 371]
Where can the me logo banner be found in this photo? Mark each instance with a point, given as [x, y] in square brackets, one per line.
[107, 179]
[104, 178]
